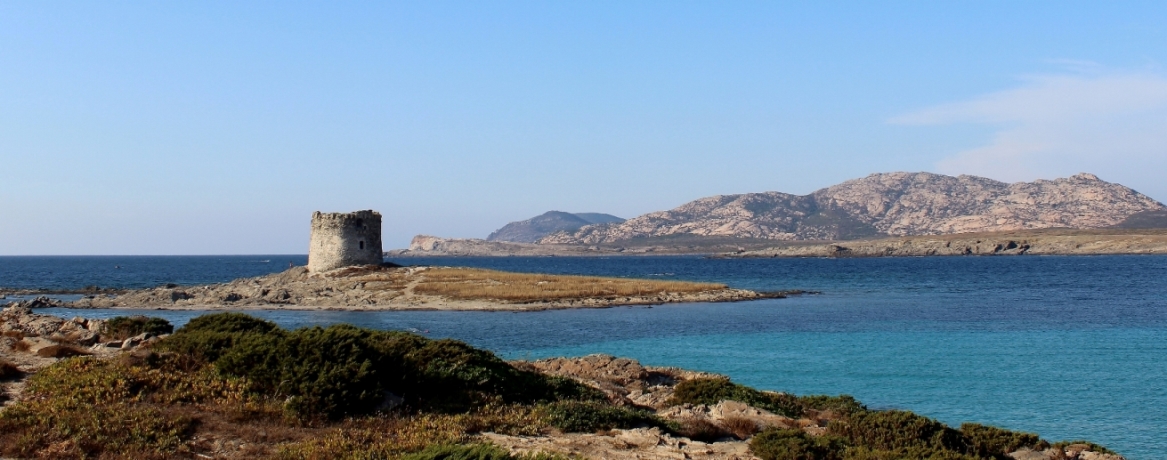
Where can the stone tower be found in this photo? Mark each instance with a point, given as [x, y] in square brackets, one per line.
[340, 239]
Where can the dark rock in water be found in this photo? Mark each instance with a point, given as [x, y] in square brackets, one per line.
[531, 230]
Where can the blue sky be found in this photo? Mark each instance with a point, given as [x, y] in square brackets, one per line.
[218, 127]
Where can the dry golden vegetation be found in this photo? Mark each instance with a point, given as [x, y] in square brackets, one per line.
[472, 284]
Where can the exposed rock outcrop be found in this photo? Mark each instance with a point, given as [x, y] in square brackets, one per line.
[895, 204]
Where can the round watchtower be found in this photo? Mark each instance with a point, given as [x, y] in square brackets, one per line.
[340, 239]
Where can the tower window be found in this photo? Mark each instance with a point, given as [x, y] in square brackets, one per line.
[362, 245]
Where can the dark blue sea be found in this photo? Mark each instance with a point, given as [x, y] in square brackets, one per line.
[1066, 347]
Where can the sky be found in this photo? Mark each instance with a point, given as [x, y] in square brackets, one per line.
[219, 127]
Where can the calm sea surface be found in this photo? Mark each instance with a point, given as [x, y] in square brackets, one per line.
[1067, 347]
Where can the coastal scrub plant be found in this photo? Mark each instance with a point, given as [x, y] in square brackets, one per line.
[124, 327]
[89, 407]
[593, 416]
[712, 390]
[344, 370]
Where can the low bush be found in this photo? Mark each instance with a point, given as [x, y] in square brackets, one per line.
[741, 427]
[700, 429]
[897, 430]
[714, 390]
[344, 370]
[794, 444]
[987, 441]
[9, 371]
[86, 407]
[474, 452]
[590, 417]
[124, 327]
[842, 404]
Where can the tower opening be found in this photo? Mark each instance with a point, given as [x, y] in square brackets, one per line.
[362, 245]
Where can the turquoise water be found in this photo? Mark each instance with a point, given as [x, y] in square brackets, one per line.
[1067, 347]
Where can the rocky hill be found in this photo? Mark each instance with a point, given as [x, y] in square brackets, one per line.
[888, 204]
[535, 228]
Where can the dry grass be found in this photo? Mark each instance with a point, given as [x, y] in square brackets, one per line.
[14, 334]
[477, 284]
[21, 346]
[60, 351]
[741, 427]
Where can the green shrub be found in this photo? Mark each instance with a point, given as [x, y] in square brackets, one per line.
[473, 452]
[208, 336]
[124, 327]
[344, 370]
[897, 430]
[794, 444]
[842, 404]
[714, 390]
[591, 416]
[990, 441]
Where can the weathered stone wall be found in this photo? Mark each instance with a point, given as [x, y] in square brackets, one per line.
[342, 239]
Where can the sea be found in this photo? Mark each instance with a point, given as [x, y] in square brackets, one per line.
[1068, 347]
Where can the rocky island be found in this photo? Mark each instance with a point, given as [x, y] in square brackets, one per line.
[378, 287]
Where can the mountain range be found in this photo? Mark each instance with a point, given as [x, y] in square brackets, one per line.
[885, 204]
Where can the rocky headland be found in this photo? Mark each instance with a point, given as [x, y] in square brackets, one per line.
[232, 386]
[374, 287]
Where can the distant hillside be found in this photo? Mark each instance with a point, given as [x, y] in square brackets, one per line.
[1145, 219]
[895, 204]
[535, 228]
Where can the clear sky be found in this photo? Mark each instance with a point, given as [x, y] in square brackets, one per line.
[218, 127]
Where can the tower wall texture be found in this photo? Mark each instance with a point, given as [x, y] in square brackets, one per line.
[341, 239]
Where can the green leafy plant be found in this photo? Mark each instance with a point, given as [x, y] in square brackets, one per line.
[794, 444]
[124, 327]
[988, 441]
[591, 416]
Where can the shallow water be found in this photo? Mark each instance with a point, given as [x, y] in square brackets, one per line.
[1067, 347]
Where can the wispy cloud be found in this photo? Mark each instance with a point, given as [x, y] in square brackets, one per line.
[1110, 123]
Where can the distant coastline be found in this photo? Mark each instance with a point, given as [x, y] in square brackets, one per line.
[1022, 242]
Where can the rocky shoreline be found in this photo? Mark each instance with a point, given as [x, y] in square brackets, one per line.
[367, 288]
[1032, 242]
[692, 414]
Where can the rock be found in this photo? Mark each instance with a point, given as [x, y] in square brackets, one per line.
[1028, 454]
